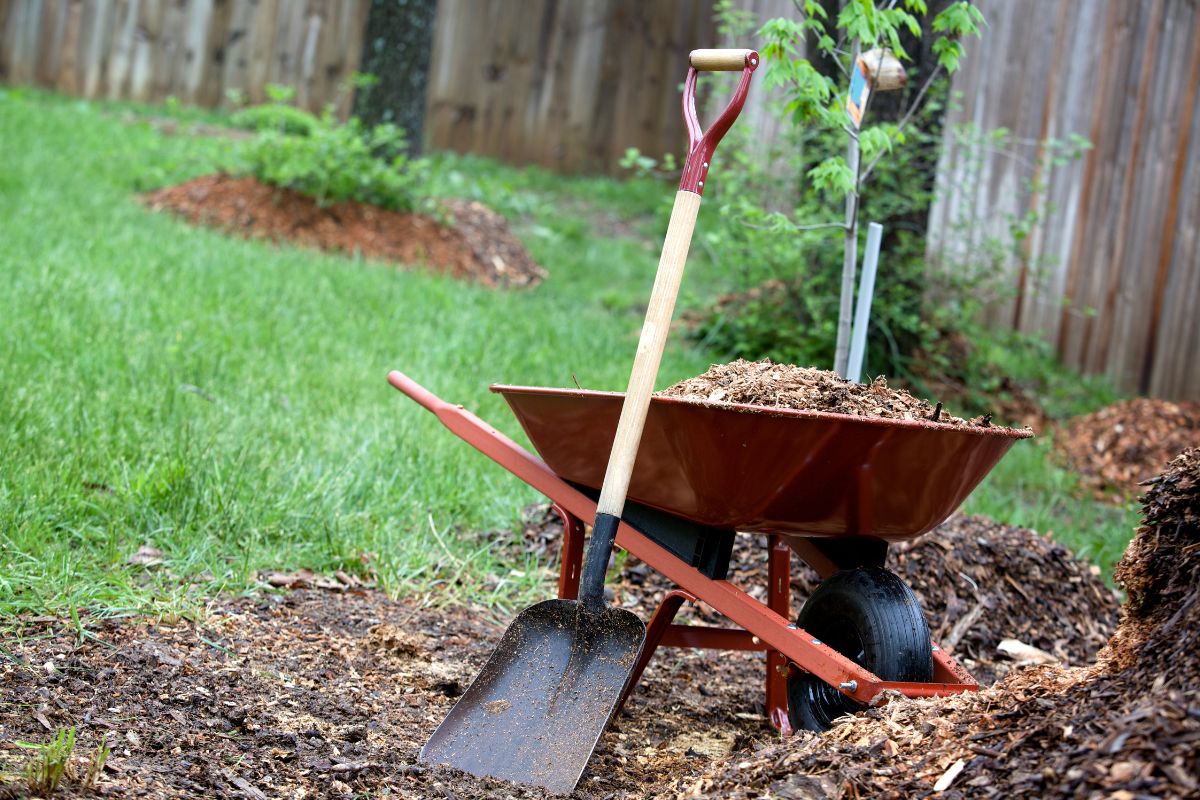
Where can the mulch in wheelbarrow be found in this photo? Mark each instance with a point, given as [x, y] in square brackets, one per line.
[1118, 447]
[476, 245]
[332, 693]
[765, 383]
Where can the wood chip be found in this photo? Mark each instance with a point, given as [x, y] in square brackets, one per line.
[943, 783]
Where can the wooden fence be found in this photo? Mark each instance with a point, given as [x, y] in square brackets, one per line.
[568, 85]
[194, 50]
[1110, 270]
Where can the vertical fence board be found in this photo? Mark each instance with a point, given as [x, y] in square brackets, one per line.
[98, 24]
[121, 50]
[206, 87]
[22, 29]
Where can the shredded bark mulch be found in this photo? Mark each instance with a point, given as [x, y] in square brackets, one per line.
[478, 246]
[1125, 728]
[332, 693]
[765, 383]
[1119, 447]
[321, 694]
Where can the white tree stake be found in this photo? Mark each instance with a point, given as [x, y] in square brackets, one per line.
[866, 291]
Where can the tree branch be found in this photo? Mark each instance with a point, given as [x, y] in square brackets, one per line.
[814, 227]
[821, 225]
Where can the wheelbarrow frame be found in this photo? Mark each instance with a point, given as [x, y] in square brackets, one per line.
[762, 626]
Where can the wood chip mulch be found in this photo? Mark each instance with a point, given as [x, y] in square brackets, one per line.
[1116, 448]
[765, 383]
[477, 247]
[1127, 727]
[332, 693]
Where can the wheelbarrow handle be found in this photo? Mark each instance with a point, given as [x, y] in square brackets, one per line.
[702, 144]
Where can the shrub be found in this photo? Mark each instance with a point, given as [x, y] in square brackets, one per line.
[339, 161]
[276, 117]
[786, 275]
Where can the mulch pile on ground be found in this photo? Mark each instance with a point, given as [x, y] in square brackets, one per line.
[478, 246]
[1119, 447]
[764, 383]
[328, 694]
[1128, 727]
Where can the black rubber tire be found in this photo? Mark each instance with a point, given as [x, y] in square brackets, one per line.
[870, 616]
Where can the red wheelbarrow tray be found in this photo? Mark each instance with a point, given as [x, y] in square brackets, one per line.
[755, 468]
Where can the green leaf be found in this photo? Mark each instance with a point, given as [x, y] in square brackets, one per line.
[876, 139]
[813, 9]
[832, 175]
[959, 19]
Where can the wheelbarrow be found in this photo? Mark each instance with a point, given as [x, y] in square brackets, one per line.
[833, 489]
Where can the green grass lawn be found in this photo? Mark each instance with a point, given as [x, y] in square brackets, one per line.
[225, 401]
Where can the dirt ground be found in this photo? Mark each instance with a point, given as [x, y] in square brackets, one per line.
[331, 694]
[477, 246]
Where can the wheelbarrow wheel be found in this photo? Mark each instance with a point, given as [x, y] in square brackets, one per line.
[870, 616]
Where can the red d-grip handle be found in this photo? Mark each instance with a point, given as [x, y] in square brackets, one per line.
[702, 144]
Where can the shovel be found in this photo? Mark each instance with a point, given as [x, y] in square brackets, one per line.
[534, 713]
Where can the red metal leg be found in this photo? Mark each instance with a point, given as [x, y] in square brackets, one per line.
[572, 554]
[779, 575]
[660, 623]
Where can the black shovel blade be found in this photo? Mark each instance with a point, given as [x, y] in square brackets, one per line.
[537, 708]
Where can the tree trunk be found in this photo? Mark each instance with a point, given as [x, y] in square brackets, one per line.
[397, 50]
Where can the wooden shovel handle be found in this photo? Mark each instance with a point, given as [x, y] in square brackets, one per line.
[649, 353]
[658, 320]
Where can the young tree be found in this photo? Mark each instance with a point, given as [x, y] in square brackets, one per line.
[817, 99]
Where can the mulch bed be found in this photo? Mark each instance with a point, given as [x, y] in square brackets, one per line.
[765, 383]
[478, 246]
[327, 694]
[1119, 447]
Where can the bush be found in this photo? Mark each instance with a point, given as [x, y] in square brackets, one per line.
[339, 161]
[276, 117]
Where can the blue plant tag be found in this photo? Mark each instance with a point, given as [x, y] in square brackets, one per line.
[860, 90]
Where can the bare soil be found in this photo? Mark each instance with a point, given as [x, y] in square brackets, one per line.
[332, 693]
[478, 246]
[765, 383]
[1119, 447]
